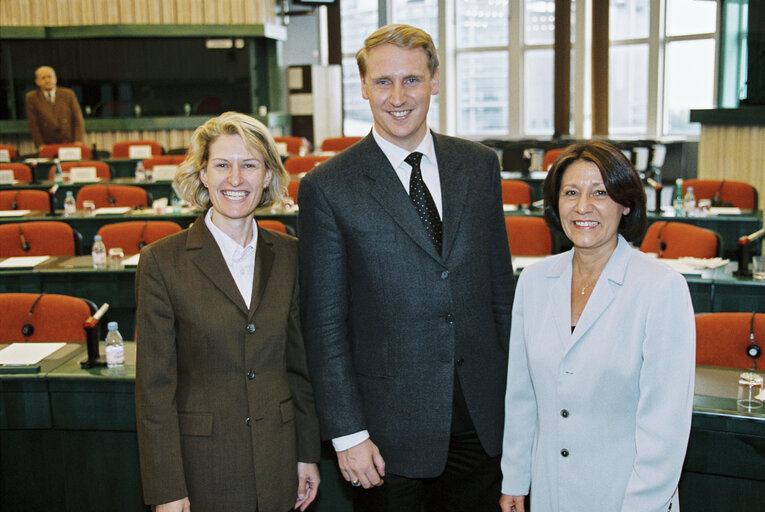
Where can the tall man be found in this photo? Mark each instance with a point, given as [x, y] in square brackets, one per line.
[406, 295]
[53, 113]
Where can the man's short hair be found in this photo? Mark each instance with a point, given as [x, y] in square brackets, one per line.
[403, 36]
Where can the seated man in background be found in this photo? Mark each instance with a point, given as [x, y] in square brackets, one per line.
[53, 113]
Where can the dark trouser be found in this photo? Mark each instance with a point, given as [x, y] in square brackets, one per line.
[470, 483]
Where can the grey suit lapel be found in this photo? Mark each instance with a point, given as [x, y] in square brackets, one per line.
[210, 262]
[454, 189]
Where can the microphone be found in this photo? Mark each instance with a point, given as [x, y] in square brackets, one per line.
[141, 242]
[28, 329]
[15, 204]
[24, 244]
[743, 252]
[52, 200]
[111, 197]
[662, 243]
[95, 317]
[753, 350]
[657, 193]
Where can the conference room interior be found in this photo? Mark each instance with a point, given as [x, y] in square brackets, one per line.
[677, 85]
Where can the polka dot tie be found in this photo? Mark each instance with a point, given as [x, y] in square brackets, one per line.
[423, 202]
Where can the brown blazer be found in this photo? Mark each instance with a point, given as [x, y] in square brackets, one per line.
[224, 405]
[53, 124]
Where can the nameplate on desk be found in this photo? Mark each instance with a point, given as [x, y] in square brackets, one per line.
[131, 261]
[83, 174]
[6, 177]
[139, 151]
[112, 210]
[23, 261]
[13, 213]
[165, 172]
[26, 354]
[281, 147]
[5, 155]
[724, 210]
[73, 153]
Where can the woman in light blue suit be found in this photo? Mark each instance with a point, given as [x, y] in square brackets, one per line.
[602, 352]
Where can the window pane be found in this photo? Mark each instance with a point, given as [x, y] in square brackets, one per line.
[539, 18]
[689, 83]
[482, 93]
[357, 118]
[481, 23]
[358, 20]
[538, 92]
[629, 19]
[628, 89]
[691, 17]
[419, 13]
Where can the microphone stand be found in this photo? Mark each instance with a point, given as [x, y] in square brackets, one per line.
[94, 357]
[52, 200]
[743, 252]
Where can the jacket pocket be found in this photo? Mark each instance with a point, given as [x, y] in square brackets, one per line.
[195, 424]
[287, 408]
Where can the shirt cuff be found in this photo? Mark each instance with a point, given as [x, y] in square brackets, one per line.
[343, 443]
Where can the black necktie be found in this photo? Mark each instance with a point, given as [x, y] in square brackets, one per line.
[423, 202]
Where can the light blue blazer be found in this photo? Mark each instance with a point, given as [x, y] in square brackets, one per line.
[599, 419]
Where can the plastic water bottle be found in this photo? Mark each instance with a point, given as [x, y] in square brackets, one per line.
[115, 348]
[58, 174]
[70, 207]
[689, 202]
[677, 198]
[140, 172]
[98, 253]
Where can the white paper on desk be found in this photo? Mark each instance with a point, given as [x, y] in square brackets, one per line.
[13, 213]
[24, 354]
[131, 261]
[695, 266]
[112, 210]
[724, 210]
[22, 261]
[509, 207]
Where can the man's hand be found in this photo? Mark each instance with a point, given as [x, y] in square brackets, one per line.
[362, 463]
[181, 505]
[512, 503]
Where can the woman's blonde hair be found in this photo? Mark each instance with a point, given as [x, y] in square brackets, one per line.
[256, 138]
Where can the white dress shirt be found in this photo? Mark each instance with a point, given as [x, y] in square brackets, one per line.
[240, 260]
[429, 167]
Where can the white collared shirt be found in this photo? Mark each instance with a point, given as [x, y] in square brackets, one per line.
[429, 165]
[50, 96]
[240, 260]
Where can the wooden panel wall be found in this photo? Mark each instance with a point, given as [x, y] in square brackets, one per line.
[108, 12]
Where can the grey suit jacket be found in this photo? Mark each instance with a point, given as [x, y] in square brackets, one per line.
[52, 124]
[386, 319]
[224, 406]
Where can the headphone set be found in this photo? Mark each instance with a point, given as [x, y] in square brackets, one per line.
[753, 350]
[141, 242]
[24, 244]
[662, 243]
[28, 329]
[14, 203]
[112, 201]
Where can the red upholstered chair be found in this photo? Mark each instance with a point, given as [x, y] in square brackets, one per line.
[43, 238]
[53, 317]
[738, 193]
[113, 195]
[338, 144]
[103, 170]
[678, 240]
[11, 151]
[149, 163]
[22, 199]
[722, 339]
[528, 236]
[549, 158]
[133, 235]
[51, 150]
[295, 145]
[516, 192]
[21, 172]
[122, 149]
[292, 189]
[300, 164]
[274, 225]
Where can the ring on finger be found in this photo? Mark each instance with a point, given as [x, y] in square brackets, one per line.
[355, 483]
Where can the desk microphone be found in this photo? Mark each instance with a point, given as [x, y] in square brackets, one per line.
[112, 201]
[14, 203]
[24, 244]
[52, 200]
[743, 252]
[753, 350]
[28, 329]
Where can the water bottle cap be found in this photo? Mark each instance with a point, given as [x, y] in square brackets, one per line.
[69, 192]
[97, 238]
[112, 326]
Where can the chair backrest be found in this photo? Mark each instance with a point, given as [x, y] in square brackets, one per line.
[51, 150]
[133, 235]
[295, 145]
[549, 158]
[21, 172]
[738, 193]
[292, 189]
[103, 170]
[678, 240]
[149, 163]
[11, 150]
[122, 149]
[338, 143]
[274, 225]
[528, 236]
[300, 164]
[113, 195]
[722, 339]
[52, 317]
[516, 192]
[43, 238]
[24, 199]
